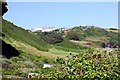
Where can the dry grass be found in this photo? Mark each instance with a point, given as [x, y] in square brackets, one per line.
[83, 43]
[116, 31]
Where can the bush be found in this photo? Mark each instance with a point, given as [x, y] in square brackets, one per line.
[90, 64]
[113, 29]
[73, 35]
[52, 37]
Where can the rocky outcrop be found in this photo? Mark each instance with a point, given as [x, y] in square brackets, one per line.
[8, 51]
[3, 7]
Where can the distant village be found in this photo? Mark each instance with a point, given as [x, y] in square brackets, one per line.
[46, 29]
[49, 29]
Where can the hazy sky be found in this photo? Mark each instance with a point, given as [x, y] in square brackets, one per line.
[62, 14]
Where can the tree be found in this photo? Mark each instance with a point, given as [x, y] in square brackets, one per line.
[52, 37]
[72, 35]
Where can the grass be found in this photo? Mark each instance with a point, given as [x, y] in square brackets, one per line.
[115, 31]
[60, 52]
[23, 64]
[68, 46]
[35, 52]
[28, 49]
[19, 34]
[30, 42]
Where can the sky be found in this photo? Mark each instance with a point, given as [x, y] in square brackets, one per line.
[29, 15]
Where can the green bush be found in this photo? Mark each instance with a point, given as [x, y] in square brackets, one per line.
[91, 64]
[72, 35]
[52, 37]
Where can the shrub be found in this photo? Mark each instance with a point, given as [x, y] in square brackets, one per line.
[52, 37]
[90, 64]
[72, 35]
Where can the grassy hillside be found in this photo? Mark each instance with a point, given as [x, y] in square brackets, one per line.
[26, 52]
[82, 36]
[12, 31]
[33, 52]
[92, 34]
[31, 44]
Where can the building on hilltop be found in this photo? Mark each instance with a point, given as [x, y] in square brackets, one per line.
[44, 29]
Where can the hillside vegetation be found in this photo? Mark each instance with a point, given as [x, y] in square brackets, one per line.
[77, 53]
[85, 31]
[93, 35]
[12, 31]
[68, 51]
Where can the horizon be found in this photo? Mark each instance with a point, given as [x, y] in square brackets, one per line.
[63, 14]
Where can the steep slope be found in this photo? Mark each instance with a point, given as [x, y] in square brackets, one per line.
[20, 51]
[4, 8]
[30, 43]
[12, 31]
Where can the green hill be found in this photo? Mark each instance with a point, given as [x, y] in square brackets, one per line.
[25, 52]
[74, 39]
[12, 31]
[94, 35]
[33, 43]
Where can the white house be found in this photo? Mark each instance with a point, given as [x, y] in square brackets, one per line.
[46, 29]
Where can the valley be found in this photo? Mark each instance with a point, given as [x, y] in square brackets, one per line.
[75, 53]
[38, 48]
